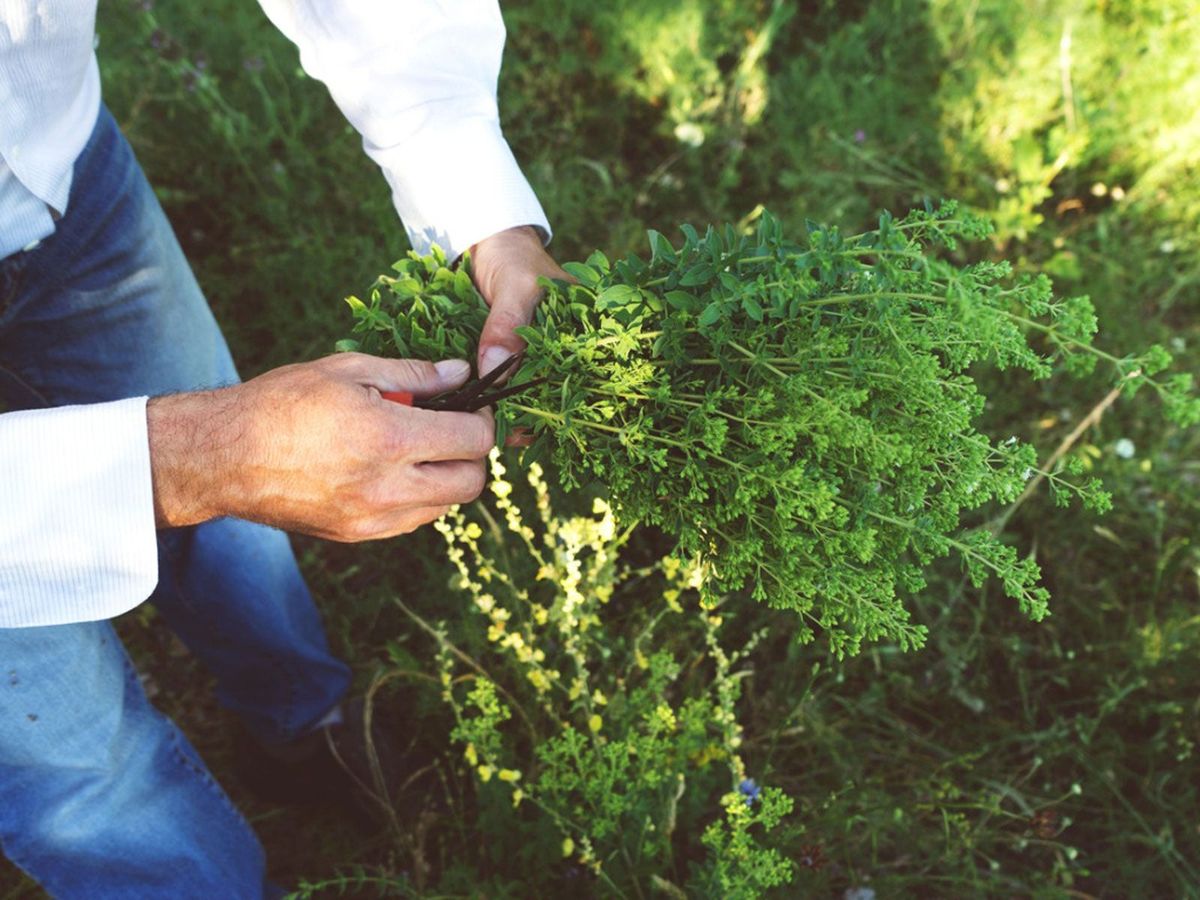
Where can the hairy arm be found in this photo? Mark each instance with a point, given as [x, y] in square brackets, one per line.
[315, 448]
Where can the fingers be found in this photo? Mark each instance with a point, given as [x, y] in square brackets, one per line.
[396, 522]
[519, 437]
[453, 481]
[424, 379]
[430, 436]
[499, 339]
[506, 267]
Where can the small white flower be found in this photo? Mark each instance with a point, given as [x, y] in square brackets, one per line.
[689, 133]
[1124, 448]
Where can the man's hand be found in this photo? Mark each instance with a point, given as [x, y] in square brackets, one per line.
[506, 268]
[315, 448]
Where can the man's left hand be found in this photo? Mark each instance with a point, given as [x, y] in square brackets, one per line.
[506, 268]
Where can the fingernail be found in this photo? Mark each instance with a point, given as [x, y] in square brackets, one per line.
[493, 358]
[452, 369]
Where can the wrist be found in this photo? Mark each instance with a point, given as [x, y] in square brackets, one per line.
[191, 456]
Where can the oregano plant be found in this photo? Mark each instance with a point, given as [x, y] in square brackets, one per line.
[798, 413]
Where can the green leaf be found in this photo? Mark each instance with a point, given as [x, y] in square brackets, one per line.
[617, 295]
[586, 275]
[700, 274]
[711, 315]
[660, 248]
[346, 345]
[681, 300]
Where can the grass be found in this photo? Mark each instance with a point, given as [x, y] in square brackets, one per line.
[1005, 759]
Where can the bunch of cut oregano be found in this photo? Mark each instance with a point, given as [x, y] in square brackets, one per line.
[798, 414]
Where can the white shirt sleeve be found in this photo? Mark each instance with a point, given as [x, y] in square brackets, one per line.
[418, 80]
[77, 534]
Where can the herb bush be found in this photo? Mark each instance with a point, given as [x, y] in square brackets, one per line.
[595, 705]
[797, 415]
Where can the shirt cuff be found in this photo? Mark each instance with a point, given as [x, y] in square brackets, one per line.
[77, 537]
[456, 182]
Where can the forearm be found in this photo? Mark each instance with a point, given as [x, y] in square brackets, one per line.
[194, 445]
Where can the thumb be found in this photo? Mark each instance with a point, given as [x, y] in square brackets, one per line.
[425, 378]
[418, 376]
[499, 339]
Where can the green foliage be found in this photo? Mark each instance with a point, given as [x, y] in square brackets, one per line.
[602, 696]
[799, 416]
[1006, 759]
[740, 869]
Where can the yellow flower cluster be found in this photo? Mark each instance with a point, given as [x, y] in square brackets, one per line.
[550, 621]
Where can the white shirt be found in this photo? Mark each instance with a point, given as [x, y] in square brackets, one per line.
[418, 81]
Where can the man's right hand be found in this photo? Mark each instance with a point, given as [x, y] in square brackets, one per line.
[314, 448]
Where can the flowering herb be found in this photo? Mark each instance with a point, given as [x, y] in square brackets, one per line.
[798, 415]
[749, 789]
[580, 706]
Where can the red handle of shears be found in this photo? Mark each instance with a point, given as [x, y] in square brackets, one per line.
[402, 397]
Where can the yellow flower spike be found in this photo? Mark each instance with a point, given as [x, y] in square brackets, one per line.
[598, 697]
[485, 773]
[568, 846]
[518, 796]
[511, 776]
[607, 529]
[473, 531]
[595, 723]
[640, 658]
[501, 489]
[470, 755]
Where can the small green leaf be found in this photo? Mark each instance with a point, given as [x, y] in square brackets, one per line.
[680, 300]
[660, 248]
[697, 275]
[617, 295]
[586, 275]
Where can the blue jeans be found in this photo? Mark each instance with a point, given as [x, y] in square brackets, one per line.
[101, 795]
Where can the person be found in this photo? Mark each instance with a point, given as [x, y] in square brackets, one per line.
[108, 498]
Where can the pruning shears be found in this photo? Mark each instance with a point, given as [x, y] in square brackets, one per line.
[472, 396]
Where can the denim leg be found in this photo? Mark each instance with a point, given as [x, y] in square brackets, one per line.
[108, 308]
[101, 796]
